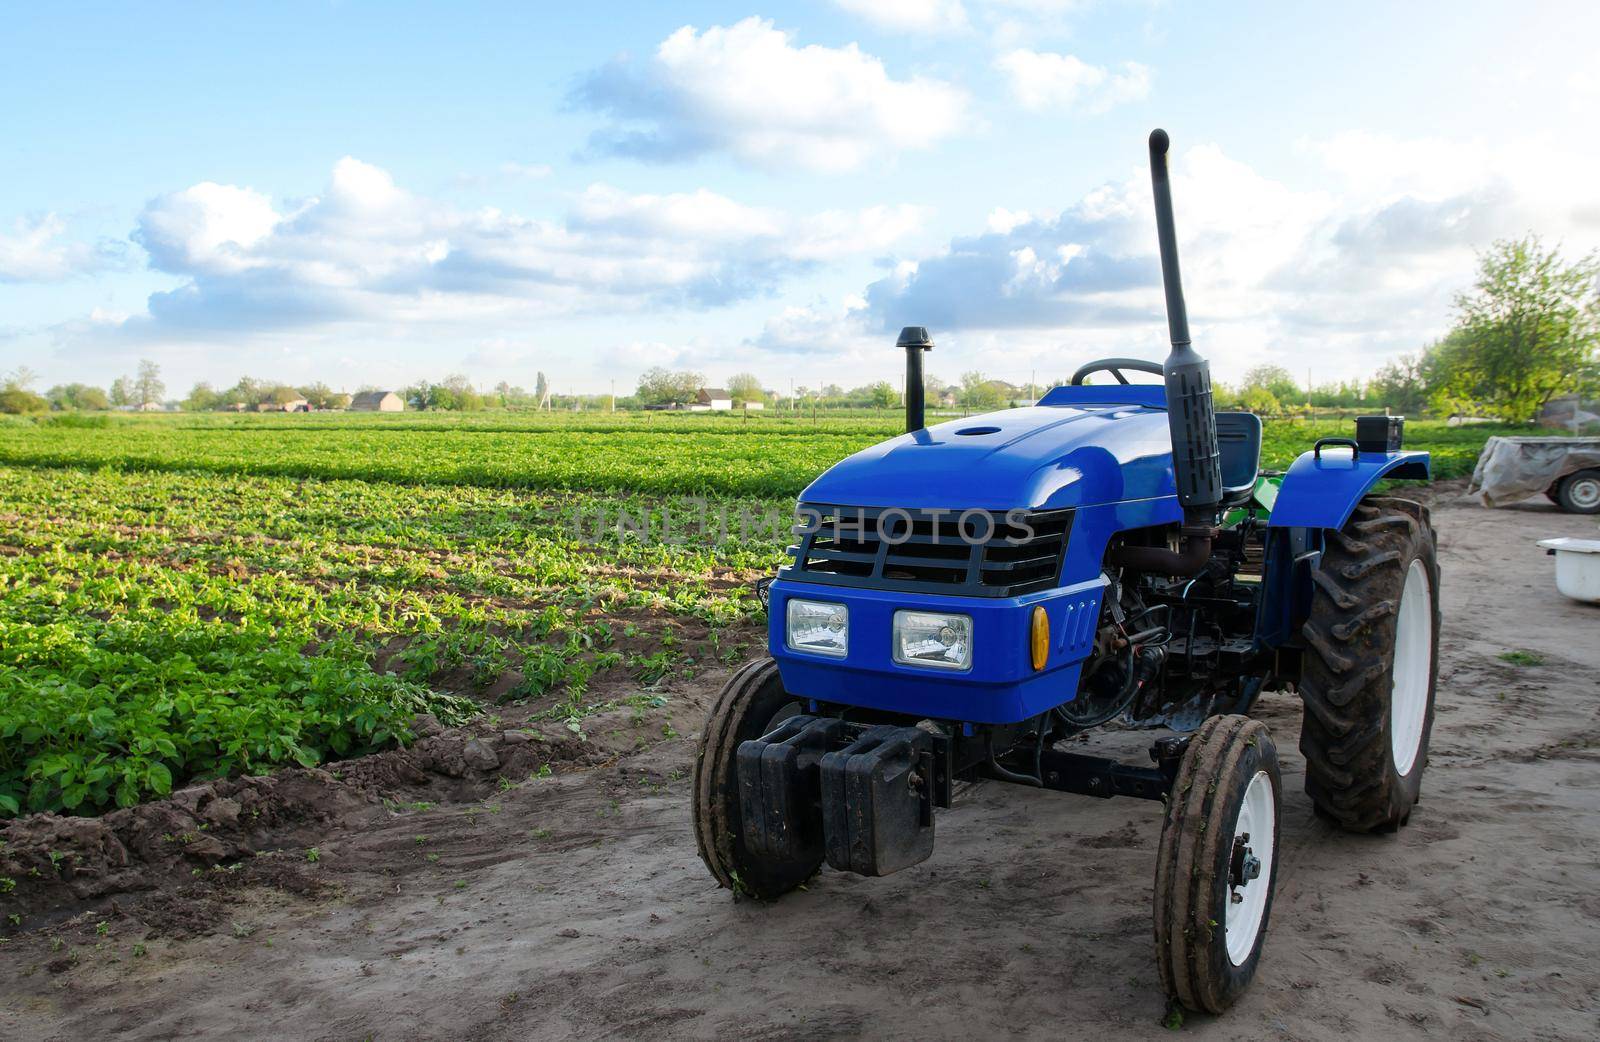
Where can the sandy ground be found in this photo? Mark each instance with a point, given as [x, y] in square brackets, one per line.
[574, 906]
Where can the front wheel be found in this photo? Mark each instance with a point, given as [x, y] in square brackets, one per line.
[751, 704]
[1218, 863]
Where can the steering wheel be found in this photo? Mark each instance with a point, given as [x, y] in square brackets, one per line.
[1116, 366]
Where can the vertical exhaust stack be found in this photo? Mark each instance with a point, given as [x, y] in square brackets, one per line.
[915, 341]
[1196, 462]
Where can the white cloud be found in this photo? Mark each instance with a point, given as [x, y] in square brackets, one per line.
[1042, 80]
[911, 16]
[205, 228]
[1343, 277]
[367, 250]
[35, 250]
[747, 90]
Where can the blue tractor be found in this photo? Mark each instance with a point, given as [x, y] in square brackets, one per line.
[964, 598]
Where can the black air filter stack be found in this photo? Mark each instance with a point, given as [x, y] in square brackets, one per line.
[915, 340]
[1190, 414]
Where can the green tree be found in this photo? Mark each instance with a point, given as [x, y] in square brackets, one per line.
[660, 386]
[16, 393]
[1401, 386]
[77, 396]
[1260, 401]
[884, 395]
[420, 395]
[202, 398]
[121, 391]
[979, 392]
[318, 395]
[147, 386]
[248, 390]
[1275, 380]
[1526, 332]
[93, 398]
[745, 387]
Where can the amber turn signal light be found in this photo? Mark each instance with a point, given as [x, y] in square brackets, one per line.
[1039, 637]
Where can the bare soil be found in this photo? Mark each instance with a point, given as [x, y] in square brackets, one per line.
[457, 890]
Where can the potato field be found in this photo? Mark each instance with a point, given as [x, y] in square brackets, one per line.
[191, 597]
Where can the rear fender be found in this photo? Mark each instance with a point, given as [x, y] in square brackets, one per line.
[1321, 489]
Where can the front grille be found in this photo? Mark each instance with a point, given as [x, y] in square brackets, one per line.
[976, 553]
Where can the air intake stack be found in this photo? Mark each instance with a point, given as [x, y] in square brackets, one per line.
[1195, 461]
[915, 340]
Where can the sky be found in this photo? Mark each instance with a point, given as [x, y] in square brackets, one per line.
[370, 194]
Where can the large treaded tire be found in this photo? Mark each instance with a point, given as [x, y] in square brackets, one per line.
[1194, 888]
[749, 705]
[1355, 775]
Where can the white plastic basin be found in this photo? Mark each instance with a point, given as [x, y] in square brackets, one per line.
[1577, 567]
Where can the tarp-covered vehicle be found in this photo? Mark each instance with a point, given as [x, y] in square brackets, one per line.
[1567, 470]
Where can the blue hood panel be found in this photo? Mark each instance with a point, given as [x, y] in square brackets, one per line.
[1041, 457]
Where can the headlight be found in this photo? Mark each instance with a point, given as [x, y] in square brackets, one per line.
[925, 638]
[818, 627]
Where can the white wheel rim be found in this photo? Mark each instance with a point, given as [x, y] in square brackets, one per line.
[1256, 829]
[1585, 493]
[1413, 662]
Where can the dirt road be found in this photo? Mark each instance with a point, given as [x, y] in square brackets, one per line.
[574, 906]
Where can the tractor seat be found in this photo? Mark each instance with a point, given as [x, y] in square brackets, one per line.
[1239, 445]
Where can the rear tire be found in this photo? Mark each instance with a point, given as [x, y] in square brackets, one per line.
[1579, 493]
[1371, 664]
[751, 704]
[1218, 863]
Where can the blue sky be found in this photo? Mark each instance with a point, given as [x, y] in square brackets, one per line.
[369, 194]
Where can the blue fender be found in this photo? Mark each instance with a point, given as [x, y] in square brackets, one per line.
[1322, 488]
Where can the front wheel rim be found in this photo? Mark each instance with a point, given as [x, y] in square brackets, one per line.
[1584, 494]
[1413, 661]
[1250, 869]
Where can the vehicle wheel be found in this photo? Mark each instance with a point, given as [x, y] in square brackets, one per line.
[1580, 493]
[1218, 863]
[750, 704]
[1370, 667]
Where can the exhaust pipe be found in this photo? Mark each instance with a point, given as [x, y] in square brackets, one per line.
[915, 341]
[1191, 416]
[1196, 463]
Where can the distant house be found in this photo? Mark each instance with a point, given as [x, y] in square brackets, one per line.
[711, 399]
[754, 405]
[377, 401]
[294, 405]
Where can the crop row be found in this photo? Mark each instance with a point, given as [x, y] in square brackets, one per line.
[161, 627]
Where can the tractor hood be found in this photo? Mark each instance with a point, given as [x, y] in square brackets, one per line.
[1040, 457]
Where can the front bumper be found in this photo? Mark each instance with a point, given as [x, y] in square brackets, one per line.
[1001, 688]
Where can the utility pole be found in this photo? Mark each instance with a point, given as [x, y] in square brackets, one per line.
[613, 395]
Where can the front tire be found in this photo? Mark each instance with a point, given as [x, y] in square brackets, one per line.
[1579, 493]
[1218, 864]
[1371, 665]
[751, 704]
